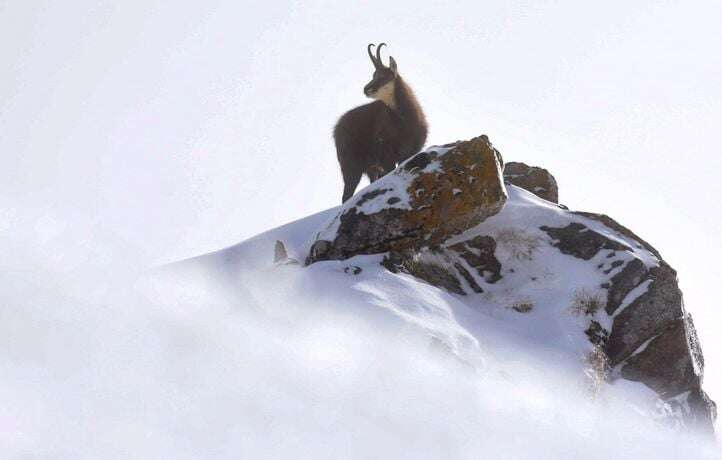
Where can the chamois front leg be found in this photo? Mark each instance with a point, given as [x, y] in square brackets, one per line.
[383, 152]
[351, 178]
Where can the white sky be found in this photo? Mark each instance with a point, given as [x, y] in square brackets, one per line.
[176, 128]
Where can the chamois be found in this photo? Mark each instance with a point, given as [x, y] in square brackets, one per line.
[373, 138]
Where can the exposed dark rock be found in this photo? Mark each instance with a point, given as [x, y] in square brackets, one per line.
[360, 233]
[647, 315]
[536, 180]
[579, 241]
[596, 333]
[427, 269]
[478, 253]
[652, 340]
[613, 265]
[419, 161]
[623, 282]
[448, 267]
[371, 195]
[468, 277]
[620, 229]
[664, 364]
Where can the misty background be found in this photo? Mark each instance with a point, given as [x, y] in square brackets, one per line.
[171, 129]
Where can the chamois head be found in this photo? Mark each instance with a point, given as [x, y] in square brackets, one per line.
[381, 86]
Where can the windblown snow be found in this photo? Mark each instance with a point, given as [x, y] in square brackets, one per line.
[229, 356]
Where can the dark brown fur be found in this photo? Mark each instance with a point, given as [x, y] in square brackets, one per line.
[373, 138]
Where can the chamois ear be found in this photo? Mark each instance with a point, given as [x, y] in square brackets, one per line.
[392, 64]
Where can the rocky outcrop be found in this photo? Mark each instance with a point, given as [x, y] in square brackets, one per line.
[439, 217]
[434, 195]
[536, 180]
[652, 338]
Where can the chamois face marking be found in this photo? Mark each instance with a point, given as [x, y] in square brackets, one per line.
[383, 93]
[382, 86]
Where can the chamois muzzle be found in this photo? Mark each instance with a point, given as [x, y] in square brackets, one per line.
[370, 89]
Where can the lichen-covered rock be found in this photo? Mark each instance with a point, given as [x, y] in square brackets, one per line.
[432, 196]
[538, 181]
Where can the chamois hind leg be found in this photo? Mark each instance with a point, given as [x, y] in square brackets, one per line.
[351, 178]
[388, 166]
[374, 172]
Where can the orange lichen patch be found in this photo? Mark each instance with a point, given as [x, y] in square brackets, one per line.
[465, 190]
[448, 193]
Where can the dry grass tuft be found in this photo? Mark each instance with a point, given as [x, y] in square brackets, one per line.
[522, 307]
[518, 243]
[586, 303]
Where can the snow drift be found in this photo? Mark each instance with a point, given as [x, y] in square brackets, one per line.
[229, 355]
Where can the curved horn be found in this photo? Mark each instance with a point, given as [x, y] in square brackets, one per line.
[378, 53]
[373, 59]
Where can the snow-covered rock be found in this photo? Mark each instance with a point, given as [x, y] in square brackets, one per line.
[648, 336]
[581, 290]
